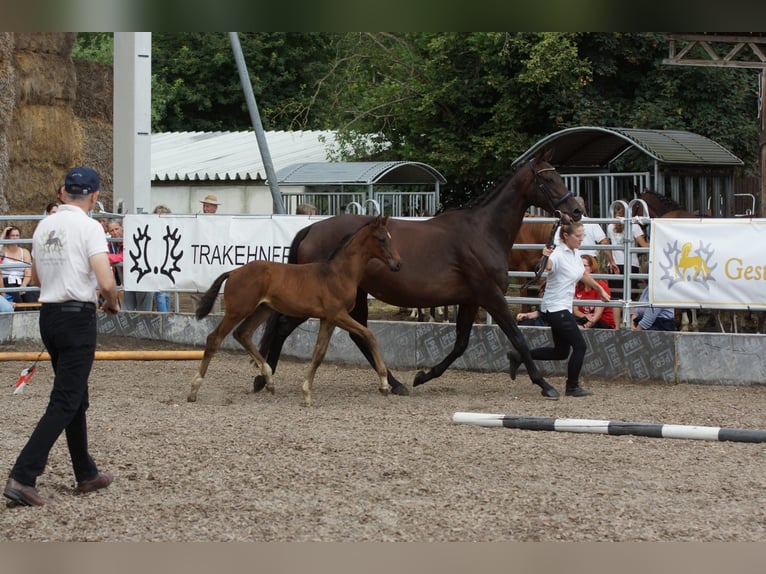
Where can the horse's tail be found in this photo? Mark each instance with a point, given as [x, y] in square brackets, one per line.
[296, 242]
[206, 301]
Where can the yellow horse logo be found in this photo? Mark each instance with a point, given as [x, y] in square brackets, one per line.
[694, 262]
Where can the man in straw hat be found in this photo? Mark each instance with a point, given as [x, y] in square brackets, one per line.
[210, 203]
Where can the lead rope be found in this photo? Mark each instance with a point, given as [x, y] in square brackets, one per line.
[540, 267]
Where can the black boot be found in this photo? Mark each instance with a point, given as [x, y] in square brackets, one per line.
[575, 390]
[515, 361]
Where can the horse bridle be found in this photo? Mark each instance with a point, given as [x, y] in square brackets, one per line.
[544, 188]
[542, 264]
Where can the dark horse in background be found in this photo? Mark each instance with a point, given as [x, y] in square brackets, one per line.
[458, 257]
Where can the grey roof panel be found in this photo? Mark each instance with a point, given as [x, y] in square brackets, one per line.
[359, 173]
[591, 147]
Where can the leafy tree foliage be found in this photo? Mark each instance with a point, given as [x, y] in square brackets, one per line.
[197, 87]
[466, 103]
[470, 103]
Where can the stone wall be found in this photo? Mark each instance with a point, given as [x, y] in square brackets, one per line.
[734, 359]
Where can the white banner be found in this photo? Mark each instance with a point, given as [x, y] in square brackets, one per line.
[188, 252]
[717, 263]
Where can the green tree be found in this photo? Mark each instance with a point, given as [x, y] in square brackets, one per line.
[466, 103]
[470, 103]
[197, 87]
[94, 46]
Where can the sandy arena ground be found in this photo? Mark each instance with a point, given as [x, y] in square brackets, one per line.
[359, 466]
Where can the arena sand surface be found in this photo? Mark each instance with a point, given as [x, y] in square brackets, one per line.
[359, 466]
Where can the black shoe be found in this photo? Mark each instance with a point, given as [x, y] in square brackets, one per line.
[577, 391]
[515, 361]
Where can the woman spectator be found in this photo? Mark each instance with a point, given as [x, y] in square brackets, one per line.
[21, 275]
[616, 234]
[592, 316]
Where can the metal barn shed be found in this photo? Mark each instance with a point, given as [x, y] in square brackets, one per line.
[604, 164]
[397, 188]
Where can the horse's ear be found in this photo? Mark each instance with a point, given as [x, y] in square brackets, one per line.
[545, 154]
[385, 220]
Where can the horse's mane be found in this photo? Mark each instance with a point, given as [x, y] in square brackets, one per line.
[488, 196]
[343, 242]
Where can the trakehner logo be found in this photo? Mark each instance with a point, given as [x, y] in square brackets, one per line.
[141, 263]
[688, 264]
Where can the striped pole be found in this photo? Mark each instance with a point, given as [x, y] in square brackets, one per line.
[611, 427]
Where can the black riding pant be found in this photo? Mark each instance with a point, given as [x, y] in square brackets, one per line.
[566, 335]
[68, 331]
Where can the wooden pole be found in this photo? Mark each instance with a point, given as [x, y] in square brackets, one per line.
[113, 356]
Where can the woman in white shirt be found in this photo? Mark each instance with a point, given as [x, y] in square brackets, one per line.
[565, 268]
[616, 234]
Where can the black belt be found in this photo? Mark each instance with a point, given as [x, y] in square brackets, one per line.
[71, 306]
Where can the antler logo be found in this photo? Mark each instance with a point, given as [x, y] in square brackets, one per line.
[141, 264]
[684, 264]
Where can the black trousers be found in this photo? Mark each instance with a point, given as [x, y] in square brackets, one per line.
[566, 335]
[68, 331]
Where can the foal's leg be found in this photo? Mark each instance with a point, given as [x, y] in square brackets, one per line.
[244, 336]
[277, 329]
[360, 313]
[323, 341]
[212, 344]
[348, 323]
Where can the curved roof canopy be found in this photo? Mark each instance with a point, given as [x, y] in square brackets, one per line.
[595, 148]
[232, 156]
[359, 173]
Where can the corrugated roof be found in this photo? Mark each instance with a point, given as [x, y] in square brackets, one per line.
[584, 148]
[359, 173]
[232, 155]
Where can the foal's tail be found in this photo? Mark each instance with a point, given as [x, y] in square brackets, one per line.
[207, 300]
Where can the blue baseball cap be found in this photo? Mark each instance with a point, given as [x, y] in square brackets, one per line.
[81, 180]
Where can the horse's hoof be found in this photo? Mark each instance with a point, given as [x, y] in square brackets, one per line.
[400, 390]
[258, 383]
[420, 378]
[384, 391]
[549, 392]
[191, 399]
[515, 361]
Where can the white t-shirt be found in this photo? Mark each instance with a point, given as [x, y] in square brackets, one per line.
[567, 269]
[618, 238]
[61, 248]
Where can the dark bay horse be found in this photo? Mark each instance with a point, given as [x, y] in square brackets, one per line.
[326, 289]
[458, 257]
[663, 206]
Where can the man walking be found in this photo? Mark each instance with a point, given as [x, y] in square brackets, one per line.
[69, 263]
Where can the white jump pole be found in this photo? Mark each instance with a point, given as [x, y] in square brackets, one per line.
[652, 430]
